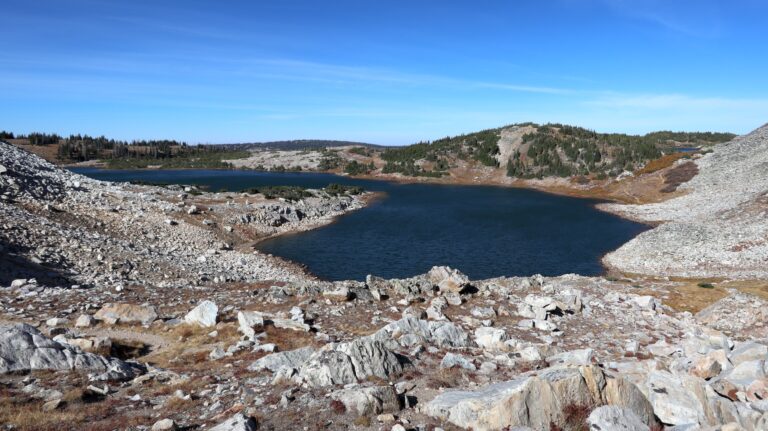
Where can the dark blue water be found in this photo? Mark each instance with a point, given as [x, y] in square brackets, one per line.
[483, 231]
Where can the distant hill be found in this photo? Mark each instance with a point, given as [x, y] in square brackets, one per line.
[530, 150]
[81, 148]
[299, 144]
[525, 150]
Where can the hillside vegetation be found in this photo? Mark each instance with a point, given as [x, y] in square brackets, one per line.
[545, 150]
[298, 145]
[525, 150]
[119, 154]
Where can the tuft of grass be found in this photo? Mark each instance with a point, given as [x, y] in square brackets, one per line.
[175, 404]
[363, 421]
[338, 407]
[706, 285]
[576, 416]
[74, 396]
[23, 414]
[287, 339]
[447, 378]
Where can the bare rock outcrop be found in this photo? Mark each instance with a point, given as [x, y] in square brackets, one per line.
[238, 422]
[537, 401]
[615, 418]
[114, 313]
[24, 348]
[352, 362]
[369, 401]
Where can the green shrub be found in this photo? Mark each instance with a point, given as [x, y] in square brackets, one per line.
[289, 193]
[355, 168]
[340, 189]
[361, 151]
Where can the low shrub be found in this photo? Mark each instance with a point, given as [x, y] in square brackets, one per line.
[338, 407]
[289, 193]
[340, 189]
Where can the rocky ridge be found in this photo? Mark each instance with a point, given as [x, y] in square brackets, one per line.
[714, 229]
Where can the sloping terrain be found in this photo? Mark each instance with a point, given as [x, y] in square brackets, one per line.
[56, 223]
[510, 142]
[716, 228]
[162, 316]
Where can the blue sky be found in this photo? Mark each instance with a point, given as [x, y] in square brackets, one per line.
[387, 72]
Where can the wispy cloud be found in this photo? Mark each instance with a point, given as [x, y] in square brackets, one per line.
[675, 102]
[524, 88]
[297, 69]
[701, 19]
[262, 69]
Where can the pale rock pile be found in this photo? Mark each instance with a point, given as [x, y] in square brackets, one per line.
[29, 178]
[71, 230]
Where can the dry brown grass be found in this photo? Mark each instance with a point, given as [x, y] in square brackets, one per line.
[187, 386]
[678, 175]
[576, 416]
[190, 345]
[26, 414]
[758, 288]
[363, 421]
[662, 162]
[48, 152]
[74, 395]
[338, 407]
[447, 378]
[287, 339]
[687, 294]
[175, 404]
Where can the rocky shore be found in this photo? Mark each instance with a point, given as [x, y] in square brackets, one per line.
[146, 308]
[66, 227]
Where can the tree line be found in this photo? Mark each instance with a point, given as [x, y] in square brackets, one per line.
[551, 150]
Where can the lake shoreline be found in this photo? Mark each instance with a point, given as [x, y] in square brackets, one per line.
[469, 200]
[550, 185]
